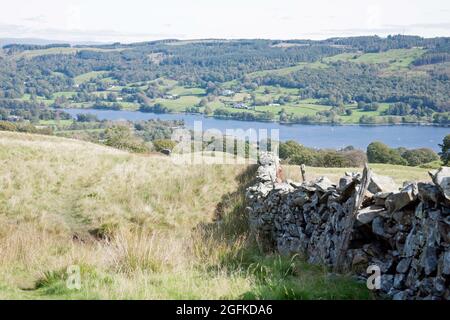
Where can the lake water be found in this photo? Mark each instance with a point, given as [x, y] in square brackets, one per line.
[316, 136]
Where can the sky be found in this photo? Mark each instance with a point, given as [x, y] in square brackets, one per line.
[143, 20]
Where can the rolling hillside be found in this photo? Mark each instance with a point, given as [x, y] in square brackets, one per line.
[367, 80]
[137, 227]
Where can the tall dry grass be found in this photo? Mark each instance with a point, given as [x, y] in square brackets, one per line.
[65, 202]
[137, 227]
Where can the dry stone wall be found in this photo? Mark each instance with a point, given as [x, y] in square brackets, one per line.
[364, 220]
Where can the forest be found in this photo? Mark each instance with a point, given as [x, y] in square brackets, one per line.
[343, 80]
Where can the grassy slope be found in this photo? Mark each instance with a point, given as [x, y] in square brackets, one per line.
[85, 77]
[60, 50]
[137, 226]
[397, 61]
[400, 174]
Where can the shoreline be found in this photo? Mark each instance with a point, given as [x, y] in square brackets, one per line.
[424, 124]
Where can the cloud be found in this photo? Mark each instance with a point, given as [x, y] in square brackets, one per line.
[437, 25]
[35, 19]
[416, 28]
[13, 31]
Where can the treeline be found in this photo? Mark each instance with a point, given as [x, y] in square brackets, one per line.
[438, 54]
[378, 44]
[432, 58]
[190, 64]
[295, 153]
[22, 47]
[344, 83]
[24, 127]
[23, 110]
[377, 152]
[223, 113]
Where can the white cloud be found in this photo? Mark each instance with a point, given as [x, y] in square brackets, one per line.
[138, 20]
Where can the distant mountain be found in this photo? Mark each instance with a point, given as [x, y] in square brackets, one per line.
[37, 41]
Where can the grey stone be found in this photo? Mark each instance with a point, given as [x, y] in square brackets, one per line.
[426, 286]
[403, 217]
[378, 227]
[439, 286]
[387, 282]
[428, 193]
[441, 178]
[412, 188]
[398, 201]
[446, 263]
[429, 260]
[359, 257]
[399, 281]
[382, 184]
[344, 182]
[401, 295]
[323, 184]
[367, 215]
[403, 265]
[407, 238]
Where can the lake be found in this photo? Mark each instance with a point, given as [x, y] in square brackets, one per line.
[316, 136]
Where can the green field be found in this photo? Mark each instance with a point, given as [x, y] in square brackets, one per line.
[27, 97]
[400, 174]
[59, 50]
[397, 59]
[67, 94]
[180, 104]
[357, 113]
[85, 77]
[182, 91]
[137, 227]
[55, 122]
[287, 70]
[301, 109]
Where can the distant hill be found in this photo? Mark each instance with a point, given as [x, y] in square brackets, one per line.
[37, 41]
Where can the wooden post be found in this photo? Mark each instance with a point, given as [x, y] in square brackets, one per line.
[341, 263]
[303, 170]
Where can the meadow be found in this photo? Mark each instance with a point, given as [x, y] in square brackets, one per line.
[140, 227]
[59, 50]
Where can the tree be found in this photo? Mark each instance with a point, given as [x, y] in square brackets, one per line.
[164, 144]
[445, 150]
[208, 111]
[87, 117]
[290, 148]
[378, 152]
[420, 156]
[121, 137]
[112, 97]
[7, 126]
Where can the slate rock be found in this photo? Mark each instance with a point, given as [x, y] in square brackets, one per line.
[441, 179]
[367, 215]
[403, 265]
[428, 193]
[398, 201]
[323, 184]
[401, 295]
[429, 260]
[446, 263]
[382, 184]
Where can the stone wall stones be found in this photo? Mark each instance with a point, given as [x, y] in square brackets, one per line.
[364, 220]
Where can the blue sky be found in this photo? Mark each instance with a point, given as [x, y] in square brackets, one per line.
[139, 20]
